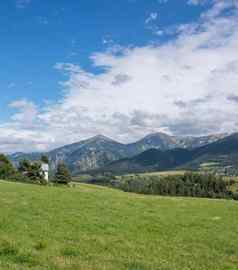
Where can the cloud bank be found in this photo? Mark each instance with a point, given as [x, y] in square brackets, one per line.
[187, 86]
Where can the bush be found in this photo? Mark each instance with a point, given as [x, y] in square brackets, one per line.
[31, 171]
[7, 171]
[235, 196]
[62, 175]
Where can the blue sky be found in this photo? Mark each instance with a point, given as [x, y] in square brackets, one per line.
[38, 34]
[59, 56]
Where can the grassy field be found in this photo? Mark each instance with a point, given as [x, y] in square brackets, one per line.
[97, 228]
[82, 178]
[87, 177]
[149, 174]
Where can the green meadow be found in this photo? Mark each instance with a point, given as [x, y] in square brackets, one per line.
[96, 228]
[150, 174]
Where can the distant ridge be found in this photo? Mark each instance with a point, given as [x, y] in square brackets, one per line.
[223, 152]
[99, 151]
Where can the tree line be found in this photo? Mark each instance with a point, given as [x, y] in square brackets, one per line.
[32, 172]
[188, 184]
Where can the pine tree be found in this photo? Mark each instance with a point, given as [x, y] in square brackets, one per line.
[62, 175]
[7, 170]
[24, 166]
[45, 159]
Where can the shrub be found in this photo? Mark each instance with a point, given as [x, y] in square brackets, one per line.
[235, 196]
[31, 171]
[62, 175]
[7, 171]
[40, 245]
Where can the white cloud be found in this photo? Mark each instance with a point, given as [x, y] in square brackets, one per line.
[11, 85]
[162, 1]
[22, 3]
[159, 32]
[42, 20]
[196, 2]
[27, 111]
[107, 40]
[187, 86]
[24, 131]
[152, 17]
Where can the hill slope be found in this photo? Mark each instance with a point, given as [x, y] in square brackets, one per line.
[96, 228]
[223, 154]
[151, 160]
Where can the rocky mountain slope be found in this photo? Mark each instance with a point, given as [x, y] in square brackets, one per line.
[164, 142]
[223, 153]
[99, 151]
[88, 154]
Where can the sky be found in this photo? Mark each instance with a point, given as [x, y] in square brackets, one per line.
[73, 69]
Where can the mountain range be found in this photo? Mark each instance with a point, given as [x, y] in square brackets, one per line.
[219, 155]
[102, 152]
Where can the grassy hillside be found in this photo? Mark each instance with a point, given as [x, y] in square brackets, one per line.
[90, 227]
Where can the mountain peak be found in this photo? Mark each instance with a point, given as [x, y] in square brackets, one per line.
[156, 134]
[100, 137]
